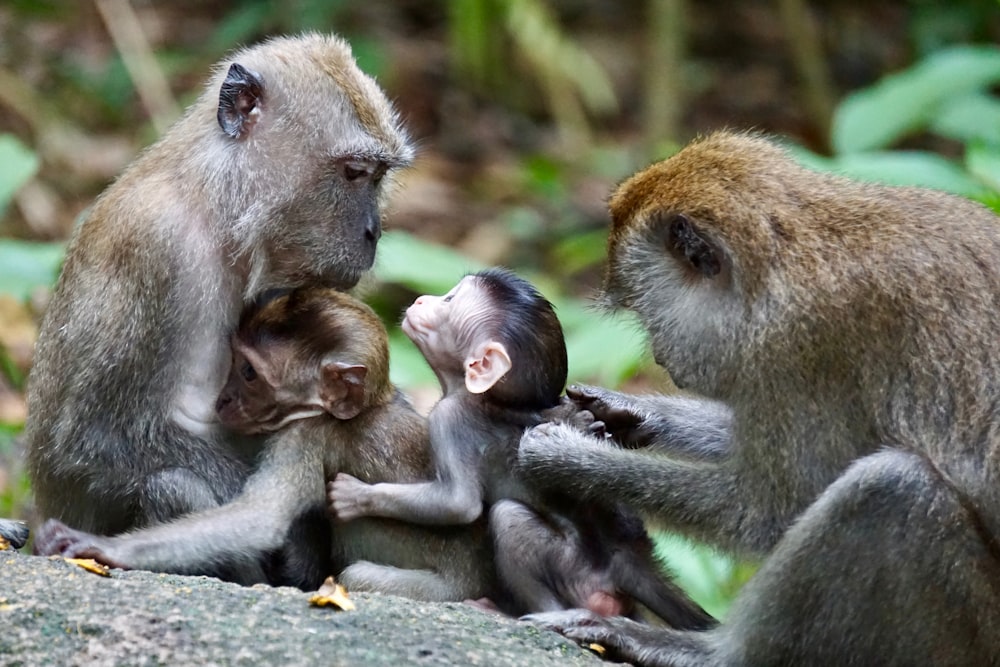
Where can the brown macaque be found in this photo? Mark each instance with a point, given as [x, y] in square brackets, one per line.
[497, 349]
[843, 422]
[310, 372]
[274, 177]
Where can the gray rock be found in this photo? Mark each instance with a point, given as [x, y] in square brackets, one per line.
[56, 613]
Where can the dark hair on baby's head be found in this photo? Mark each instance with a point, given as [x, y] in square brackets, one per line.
[526, 323]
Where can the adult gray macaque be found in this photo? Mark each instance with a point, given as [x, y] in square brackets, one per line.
[274, 177]
[840, 336]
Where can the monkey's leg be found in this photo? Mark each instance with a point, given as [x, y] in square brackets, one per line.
[229, 540]
[639, 575]
[524, 547]
[414, 584]
[890, 566]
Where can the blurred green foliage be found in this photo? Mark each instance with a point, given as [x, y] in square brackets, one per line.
[512, 51]
[493, 43]
[24, 266]
[950, 95]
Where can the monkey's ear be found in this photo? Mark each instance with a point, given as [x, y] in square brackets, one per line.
[239, 100]
[342, 389]
[684, 239]
[484, 370]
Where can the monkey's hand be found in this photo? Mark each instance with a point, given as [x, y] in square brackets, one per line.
[620, 415]
[623, 640]
[347, 497]
[55, 538]
[569, 412]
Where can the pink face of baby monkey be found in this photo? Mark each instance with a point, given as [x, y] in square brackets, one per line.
[455, 334]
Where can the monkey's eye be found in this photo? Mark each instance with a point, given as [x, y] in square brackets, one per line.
[248, 372]
[355, 170]
[448, 298]
[683, 240]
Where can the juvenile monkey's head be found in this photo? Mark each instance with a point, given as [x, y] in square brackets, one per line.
[296, 147]
[493, 334]
[304, 353]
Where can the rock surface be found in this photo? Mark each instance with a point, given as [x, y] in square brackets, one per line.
[56, 613]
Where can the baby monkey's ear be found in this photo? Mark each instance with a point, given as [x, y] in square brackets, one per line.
[342, 389]
[484, 369]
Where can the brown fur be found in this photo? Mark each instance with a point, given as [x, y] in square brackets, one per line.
[838, 338]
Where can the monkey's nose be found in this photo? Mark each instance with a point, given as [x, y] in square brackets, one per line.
[373, 230]
[222, 403]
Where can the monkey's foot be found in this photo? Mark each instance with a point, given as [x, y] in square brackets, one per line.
[485, 604]
[623, 640]
[14, 533]
[55, 538]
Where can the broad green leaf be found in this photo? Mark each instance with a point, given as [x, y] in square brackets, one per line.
[710, 578]
[581, 250]
[904, 102]
[983, 162]
[602, 348]
[420, 265]
[918, 168]
[407, 367]
[26, 266]
[969, 118]
[18, 164]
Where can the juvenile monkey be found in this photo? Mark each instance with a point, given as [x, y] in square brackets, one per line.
[274, 177]
[840, 339]
[311, 371]
[497, 349]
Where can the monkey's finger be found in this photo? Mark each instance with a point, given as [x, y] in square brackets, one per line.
[599, 429]
[560, 621]
[581, 393]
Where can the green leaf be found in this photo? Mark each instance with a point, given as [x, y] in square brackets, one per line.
[578, 251]
[905, 102]
[420, 265]
[18, 164]
[969, 118]
[602, 348]
[407, 367]
[710, 578]
[240, 25]
[25, 266]
[918, 168]
[983, 162]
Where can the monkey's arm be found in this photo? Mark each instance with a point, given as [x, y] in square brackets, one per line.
[684, 425]
[698, 497]
[454, 497]
[232, 538]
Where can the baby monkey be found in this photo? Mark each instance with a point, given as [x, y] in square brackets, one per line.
[314, 365]
[310, 372]
[498, 351]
